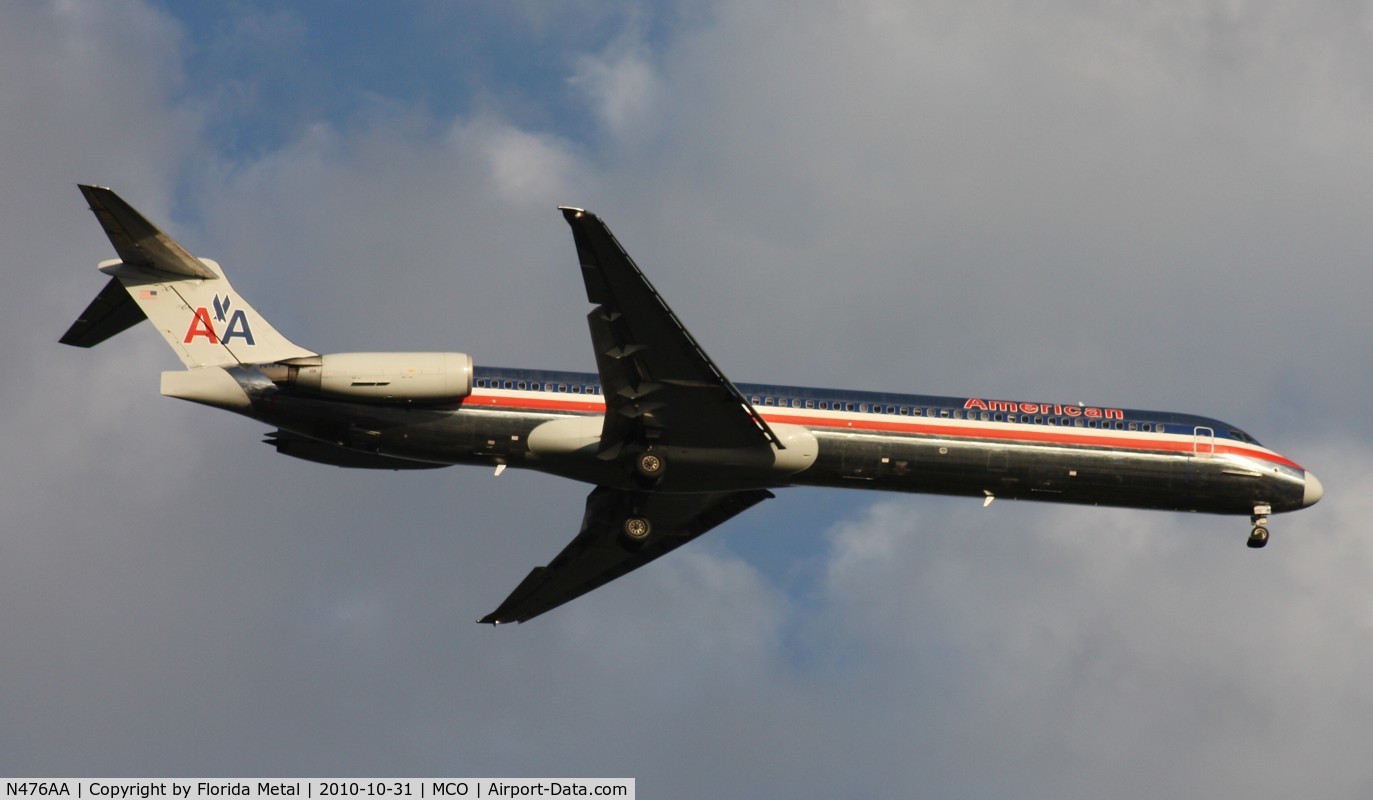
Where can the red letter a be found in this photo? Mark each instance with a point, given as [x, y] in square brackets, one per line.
[200, 326]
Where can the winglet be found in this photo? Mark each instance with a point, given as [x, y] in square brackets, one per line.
[139, 242]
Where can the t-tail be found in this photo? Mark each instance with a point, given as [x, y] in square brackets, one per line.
[188, 299]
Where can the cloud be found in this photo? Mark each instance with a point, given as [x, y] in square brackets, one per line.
[622, 85]
[1049, 202]
[1105, 641]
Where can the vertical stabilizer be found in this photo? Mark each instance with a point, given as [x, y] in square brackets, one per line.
[187, 299]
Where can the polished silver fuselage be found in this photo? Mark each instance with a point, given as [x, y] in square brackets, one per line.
[987, 449]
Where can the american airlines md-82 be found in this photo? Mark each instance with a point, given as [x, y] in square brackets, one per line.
[672, 446]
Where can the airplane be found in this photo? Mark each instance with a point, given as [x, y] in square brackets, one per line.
[672, 447]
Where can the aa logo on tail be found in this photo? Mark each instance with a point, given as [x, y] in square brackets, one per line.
[202, 325]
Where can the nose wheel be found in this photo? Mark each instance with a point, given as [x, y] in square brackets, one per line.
[1258, 536]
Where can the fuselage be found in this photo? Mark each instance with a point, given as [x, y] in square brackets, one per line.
[975, 446]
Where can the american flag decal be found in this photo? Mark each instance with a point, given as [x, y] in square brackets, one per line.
[148, 294]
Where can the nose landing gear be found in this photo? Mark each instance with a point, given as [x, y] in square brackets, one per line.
[1258, 537]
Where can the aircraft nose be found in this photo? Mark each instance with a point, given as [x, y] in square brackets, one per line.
[1314, 491]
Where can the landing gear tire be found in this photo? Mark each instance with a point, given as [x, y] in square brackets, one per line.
[650, 465]
[636, 529]
[1258, 537]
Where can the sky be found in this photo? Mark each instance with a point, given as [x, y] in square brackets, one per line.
[1126, 204]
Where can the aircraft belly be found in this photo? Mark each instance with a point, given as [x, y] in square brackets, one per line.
[427, 434]
[690, 470]
[1064, 474]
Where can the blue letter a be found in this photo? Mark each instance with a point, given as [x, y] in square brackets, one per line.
[238, 326]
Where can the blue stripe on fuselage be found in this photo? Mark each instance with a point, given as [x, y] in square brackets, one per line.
[765, 396]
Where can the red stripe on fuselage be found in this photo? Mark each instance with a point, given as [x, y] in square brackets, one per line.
[1004, 432]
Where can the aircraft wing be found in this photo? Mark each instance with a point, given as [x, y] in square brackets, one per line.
[598, 554]
[658, 382]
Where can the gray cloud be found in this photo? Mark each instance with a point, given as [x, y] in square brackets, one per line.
[1136, 206]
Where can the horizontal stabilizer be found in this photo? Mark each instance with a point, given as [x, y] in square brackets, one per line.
[138, 242]
[111, 312]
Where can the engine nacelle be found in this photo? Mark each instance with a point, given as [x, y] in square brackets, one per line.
[396, 377]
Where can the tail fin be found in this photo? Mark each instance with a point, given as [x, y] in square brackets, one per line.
[188, 299]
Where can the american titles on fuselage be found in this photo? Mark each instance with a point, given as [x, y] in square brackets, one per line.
[1047, 409]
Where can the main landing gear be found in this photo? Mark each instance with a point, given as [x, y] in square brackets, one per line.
[1258, 537]
[636, 529]
[647, 469]
[650, 465]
